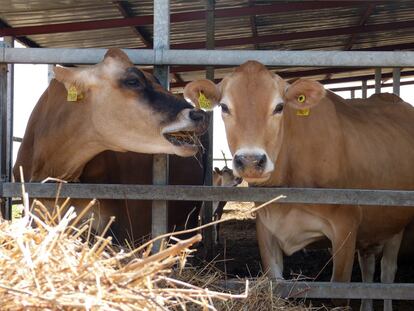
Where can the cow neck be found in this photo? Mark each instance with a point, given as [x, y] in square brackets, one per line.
[64, 159]
[310, 148]
[66, 142]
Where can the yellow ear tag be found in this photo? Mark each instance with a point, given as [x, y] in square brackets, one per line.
[72, 94]
[203, 101]
[302, 112]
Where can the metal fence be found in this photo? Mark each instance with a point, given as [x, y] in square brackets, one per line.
[162, 57]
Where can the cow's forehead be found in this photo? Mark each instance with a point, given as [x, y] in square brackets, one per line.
[114, 63]
[113, 67]
[253, 83]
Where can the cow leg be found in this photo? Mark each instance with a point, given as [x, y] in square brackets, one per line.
[215, 227]
[343, 251]
[389, 263]
[218, 208]
[270, 251]
[367, 265]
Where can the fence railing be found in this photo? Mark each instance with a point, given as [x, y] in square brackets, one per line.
[210, 193]
[167, 57]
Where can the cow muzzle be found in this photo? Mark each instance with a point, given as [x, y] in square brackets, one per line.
[184, 133]
[254, 167]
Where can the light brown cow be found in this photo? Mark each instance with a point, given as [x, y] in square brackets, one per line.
[301, 135]
[116, 107]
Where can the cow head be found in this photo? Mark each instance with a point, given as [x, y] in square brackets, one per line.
[225, 177]
[254, 104]
[130, 111]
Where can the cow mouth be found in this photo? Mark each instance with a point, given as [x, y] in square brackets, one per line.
[183, 139]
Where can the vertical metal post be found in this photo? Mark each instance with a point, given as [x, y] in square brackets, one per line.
[207, 215]
[6, 127]
[364, 88]
[352, 93]
[396, 79]
[377, 80]
[160, 164]
[50, 73]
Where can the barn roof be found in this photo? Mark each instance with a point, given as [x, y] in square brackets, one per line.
[245, 24]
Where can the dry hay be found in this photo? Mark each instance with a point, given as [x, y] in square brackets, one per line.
[60, 265]
[238, 211]
[51, 267]
[260, 295]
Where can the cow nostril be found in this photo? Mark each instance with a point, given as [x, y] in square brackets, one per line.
[197, 115]
[262, 161]
[238, 162]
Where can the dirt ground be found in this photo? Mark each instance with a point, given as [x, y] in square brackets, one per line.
[238, 255]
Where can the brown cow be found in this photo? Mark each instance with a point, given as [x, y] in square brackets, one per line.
[301, 135]
[116, 107]
[222, 178]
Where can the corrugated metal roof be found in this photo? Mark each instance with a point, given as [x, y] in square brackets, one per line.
[21, 13]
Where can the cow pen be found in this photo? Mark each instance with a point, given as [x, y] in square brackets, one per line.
[161, 56]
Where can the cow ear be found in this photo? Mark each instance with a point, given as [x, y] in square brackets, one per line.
[304, 93]
[117, 54]
[203, 94]
[73, 77]
[217, 170]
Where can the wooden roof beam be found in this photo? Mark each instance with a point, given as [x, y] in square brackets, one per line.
[362, 22]
[333, 32]
[23, 40]
[124, 8]
[253, 25]
[179, 17]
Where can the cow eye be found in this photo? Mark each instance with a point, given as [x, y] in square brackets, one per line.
[278, 108]
[224, 108]
[133, 82]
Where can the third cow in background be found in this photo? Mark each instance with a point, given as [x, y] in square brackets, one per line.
[223, 178]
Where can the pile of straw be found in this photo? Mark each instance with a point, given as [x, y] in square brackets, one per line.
[260, 296]
[52, 262]
[55, 265]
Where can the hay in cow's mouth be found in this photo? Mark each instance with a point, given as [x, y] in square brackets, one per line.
[183, 139]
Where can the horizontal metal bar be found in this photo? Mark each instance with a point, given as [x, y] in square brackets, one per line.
[214, 57]
[350, 88]
[69, 56]
[290, 58]
[301, 289]
[206, 193]
[17, 139]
